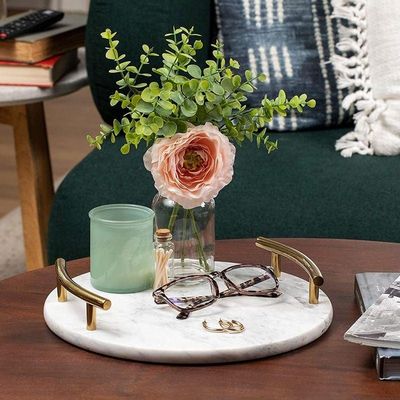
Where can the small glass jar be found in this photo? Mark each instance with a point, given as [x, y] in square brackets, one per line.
[121, 248]
[193, 234]
[163, 241]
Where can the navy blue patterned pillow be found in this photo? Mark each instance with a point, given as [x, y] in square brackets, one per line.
[292, 42]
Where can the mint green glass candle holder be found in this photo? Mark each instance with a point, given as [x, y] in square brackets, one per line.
[121, 248]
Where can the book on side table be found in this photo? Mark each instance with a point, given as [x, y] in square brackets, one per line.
[368, 287]
[42, 74]
[65, 35]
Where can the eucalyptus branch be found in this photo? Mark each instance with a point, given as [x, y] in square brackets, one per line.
[185, 93]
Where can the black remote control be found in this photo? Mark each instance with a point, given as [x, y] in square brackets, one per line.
[34, 21]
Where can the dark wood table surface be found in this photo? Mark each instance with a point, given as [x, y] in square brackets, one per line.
[36, 364]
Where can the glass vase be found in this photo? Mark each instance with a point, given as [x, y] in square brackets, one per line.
[193, 234]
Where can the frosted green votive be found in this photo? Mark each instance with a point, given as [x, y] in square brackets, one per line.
[121, 248]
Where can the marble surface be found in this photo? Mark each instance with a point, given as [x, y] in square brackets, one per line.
[70, 82]
[138, 329]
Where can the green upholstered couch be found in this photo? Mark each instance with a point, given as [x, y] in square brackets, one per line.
[305, 189]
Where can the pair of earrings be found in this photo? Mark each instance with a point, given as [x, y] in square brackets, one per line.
[225, 326]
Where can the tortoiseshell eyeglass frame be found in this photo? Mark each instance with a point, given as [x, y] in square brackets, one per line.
[195, 303]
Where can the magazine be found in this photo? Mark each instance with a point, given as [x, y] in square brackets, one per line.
[379, 326]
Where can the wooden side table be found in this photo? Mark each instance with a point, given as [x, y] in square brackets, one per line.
[22, 108]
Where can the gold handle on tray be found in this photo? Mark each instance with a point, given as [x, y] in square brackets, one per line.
[278, 249]
[65, 283]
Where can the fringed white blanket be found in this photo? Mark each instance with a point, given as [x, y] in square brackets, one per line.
[369, 66]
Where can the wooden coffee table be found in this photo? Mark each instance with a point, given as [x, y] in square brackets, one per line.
[35, 364]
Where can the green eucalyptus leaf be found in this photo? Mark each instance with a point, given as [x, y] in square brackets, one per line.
[177, 97]
[140, 85]
[158, 121]
[166, 105]
[187, 89]
[311, 103]
[227, 111]
[90, 140]
[246, 87]
[262, 77]
[199, 98]
[105, 128]
[181, 126]
[248, 74]
[144, 107]
[169, 57]
[179, 79]
[123, 65]
[162, 112]
[204, 84]
[106, 34]
[165, 94]
[194, 71]
[198, 44]
[281, 97]
[116, 127]
[227, 84]
[125, 148]
[154, 127]
[217, 89]
[194, 84]
[147, 95]
[189, 108]
[234, 64]
[294, 101]
[132, 69]
[303, 98]
[168, 130]
[111, 54]
[210, 96]
[236, 80]
[125, 103]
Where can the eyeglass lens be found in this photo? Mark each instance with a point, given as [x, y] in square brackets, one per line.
[191, 292]
[251, 278]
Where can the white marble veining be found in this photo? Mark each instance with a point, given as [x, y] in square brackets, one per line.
[136, 328]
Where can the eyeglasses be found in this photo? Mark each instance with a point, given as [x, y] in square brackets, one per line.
[194, 292]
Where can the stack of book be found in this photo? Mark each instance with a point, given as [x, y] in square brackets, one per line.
[42, 58]
[378, 296]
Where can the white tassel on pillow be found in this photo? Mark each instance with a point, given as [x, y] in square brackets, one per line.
[369, 67]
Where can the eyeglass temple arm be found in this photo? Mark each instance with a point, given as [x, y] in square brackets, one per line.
[278, 249]
[65, 283]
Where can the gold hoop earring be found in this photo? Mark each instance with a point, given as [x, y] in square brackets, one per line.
[232, 326]
[214, 330]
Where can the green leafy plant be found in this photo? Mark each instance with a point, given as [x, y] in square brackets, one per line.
[184, 94]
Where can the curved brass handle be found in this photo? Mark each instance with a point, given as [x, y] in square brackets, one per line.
[64, 283]
[278, 249]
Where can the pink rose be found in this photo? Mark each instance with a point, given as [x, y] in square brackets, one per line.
[191, 168]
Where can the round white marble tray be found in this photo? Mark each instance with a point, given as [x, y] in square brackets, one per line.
[138, 329]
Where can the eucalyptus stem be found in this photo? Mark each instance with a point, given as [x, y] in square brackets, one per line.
[184, 235]
[202, 256]
[173, 216]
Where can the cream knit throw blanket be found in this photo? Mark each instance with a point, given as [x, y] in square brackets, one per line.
[369, 65]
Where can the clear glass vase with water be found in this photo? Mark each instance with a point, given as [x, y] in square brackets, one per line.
[193, 233]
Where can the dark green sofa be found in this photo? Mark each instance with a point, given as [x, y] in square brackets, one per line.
[305, 189]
